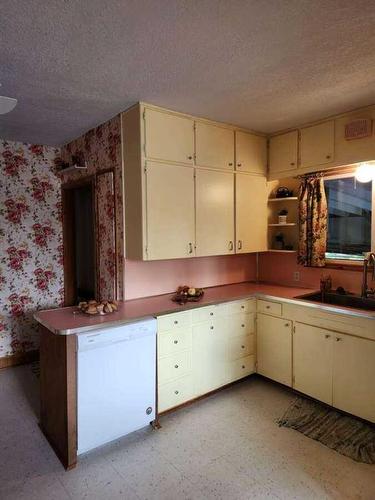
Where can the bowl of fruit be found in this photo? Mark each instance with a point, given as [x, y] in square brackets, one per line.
[187, 294]
[102, 308]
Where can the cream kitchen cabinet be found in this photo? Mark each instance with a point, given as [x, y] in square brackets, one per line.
[214, 146]
[251, 153]
[168, 137]
[251, 213]
[283, 153]
[214, 212]
[274, 348]
[312, 361]
[209, 356]
[317, 144]
[354, 375]
[170, 224]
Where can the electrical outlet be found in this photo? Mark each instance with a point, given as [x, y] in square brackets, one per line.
[296, 276]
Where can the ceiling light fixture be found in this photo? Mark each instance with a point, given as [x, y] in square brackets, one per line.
[365, 172]
[6, 104]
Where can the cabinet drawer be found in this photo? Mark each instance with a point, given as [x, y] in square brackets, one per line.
[175, 320]
[174, 366]
[268, 307]
[241, 324]
[241, 367]
[240, 347]
[175, 393]
[178, 339]
[207, 313]
[241, 306]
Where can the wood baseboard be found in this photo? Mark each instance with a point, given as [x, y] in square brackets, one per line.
[19, 359]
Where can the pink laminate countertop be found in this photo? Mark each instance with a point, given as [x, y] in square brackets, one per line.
[66, 320]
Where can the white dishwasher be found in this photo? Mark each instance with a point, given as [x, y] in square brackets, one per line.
[116, 382]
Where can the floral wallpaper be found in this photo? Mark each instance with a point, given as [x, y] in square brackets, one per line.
[31, 251]
[106, 236]
[101, 149]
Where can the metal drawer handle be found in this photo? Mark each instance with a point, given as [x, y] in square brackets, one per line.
[176, 366]
[176, 392]
[211, 327]
[175, 341]
[230, 246]
[239, 245]
[239, 164]
[327, 336]
[211, 313]
[175, 322]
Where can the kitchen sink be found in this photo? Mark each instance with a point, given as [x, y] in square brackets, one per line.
[346, 299]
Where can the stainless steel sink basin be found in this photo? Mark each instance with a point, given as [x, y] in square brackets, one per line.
[339, 299]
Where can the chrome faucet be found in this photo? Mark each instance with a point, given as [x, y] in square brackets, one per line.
[369, 258]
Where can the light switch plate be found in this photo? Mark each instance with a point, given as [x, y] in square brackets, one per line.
[296, 276]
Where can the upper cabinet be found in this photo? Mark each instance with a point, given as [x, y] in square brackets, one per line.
[283, 153]
[214, 212]
[168, 137]
[214, 146]
[317, 144]
[251, 153]
[251, 213]
[170, 211]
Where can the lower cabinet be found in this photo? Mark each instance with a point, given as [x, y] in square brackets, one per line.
[274, 348]
[335, 368]
[354, 375]
[312, 362]
[204, 349]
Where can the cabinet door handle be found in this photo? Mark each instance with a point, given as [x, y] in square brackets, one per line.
[338, 339]
[190, 248]
[327, 336]
[239, 164]
[230, 246]
[239, 245]
[286, 325]
[243, 367]
[243, 326]
[175, 322]
[176, 366]
[175, 341]
[292, 163]
[211, 327]
[176, 392]
[268, 307]
[230, 164]
[328, 157]
[242, 347]
[211, 313]
[190, 157]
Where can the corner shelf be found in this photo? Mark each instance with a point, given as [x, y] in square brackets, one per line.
[283, 225]
[287, 198]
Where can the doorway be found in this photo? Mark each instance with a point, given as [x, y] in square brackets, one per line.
[79, 241]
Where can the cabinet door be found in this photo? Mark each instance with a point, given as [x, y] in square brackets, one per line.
[354, 375]
[214, 146]
[168, 137]
[251, 153]
[209, 356]
[170, 211]
[283, 152]
[312, 362]
[214, 213]
[317, 144]
[251, 213]
[274, 348]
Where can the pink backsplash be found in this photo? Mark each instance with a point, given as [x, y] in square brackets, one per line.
[279, 268]
[144, 279]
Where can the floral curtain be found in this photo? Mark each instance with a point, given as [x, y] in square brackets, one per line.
[313, 219]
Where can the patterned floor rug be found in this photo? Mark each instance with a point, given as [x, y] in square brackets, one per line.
[345, 434]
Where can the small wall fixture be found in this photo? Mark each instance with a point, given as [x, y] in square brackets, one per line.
[365, 172]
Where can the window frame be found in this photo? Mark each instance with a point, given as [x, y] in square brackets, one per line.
[347, 263]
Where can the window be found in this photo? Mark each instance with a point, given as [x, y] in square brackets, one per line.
[349, 217]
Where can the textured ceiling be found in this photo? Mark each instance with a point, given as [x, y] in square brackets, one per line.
[262, 64]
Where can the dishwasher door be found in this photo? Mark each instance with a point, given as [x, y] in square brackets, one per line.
[116, 382]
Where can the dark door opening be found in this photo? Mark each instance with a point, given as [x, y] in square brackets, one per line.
[79, 242]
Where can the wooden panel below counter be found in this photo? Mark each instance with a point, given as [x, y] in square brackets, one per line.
[58, 394]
